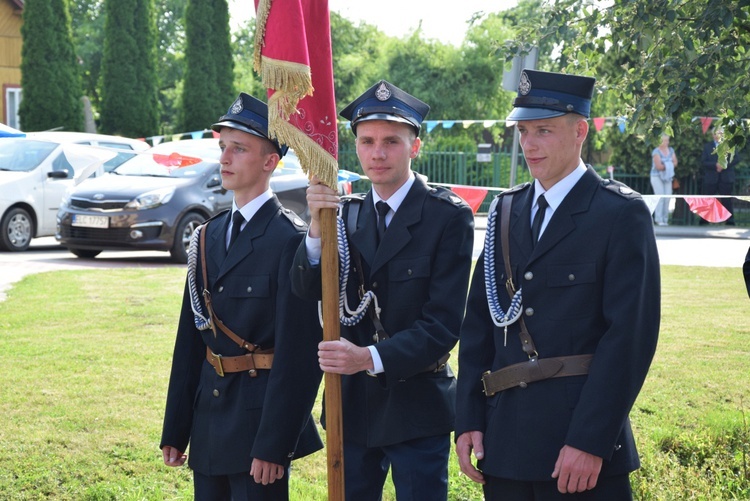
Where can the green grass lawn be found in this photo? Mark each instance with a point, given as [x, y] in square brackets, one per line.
[86, 358]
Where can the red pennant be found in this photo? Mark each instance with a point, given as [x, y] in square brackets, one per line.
[706, 123]
[708, 208]
[215, 134]
[599, 123]
[175, 160]
[473, 196]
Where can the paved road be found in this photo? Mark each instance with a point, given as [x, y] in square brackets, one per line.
[685, 246]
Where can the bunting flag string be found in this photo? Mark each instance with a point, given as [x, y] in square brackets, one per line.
[430, 125]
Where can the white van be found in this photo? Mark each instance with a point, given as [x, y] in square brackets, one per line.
[37, 170]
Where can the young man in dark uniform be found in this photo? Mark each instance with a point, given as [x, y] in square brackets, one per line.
[244, 372]
[411, 248]
[546, 383]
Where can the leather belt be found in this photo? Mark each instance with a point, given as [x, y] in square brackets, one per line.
[536, 369]
[250, 362]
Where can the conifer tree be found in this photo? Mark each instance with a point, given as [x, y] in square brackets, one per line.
[208, 89]
[49, 70]
[130, 103]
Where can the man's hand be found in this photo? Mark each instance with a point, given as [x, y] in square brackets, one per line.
[319, 196]
[464, 445]
[264, 472]
[343, 357]
[172, 456]
[576, 471]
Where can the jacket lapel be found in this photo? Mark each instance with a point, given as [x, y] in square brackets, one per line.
[255, 228]
[562, 223]
[398, 234]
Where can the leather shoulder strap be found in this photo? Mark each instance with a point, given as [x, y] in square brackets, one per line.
[216, 321]
[527, 343]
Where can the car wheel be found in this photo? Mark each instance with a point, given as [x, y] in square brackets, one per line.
[17, 229]
[182, 234]
[85, 253]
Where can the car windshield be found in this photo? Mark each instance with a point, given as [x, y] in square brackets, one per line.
[23, 155]
[169, 160]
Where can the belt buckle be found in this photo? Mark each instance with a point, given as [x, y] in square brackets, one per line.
[484, 384]
[219, 368]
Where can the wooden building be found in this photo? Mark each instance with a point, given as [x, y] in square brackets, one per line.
[10, 60]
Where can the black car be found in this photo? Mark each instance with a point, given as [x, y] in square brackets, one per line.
[155, 200]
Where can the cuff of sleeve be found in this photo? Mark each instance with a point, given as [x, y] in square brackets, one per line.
[376, 361]
[313, 247]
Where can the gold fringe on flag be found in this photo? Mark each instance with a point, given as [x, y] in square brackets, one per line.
[290, 82]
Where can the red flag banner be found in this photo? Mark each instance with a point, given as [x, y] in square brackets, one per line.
[599, 123]
[293, 57]
[706, 123]
[708, 208]
[473, 196]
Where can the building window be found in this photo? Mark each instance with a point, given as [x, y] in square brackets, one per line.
[12, 102]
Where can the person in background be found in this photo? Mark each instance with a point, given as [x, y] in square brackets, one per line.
[411, 247]
[663, 163]
[546, 380]
[718, 175]
[244, 372]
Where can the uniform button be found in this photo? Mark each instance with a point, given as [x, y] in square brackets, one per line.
[221, 288]
[408, 272]
[528, 275]
[529, 312]
[249, 289]
[374, 285]
[216, 393]
[571, 277]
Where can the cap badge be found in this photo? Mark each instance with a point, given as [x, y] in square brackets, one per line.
[236, 107]
[524, 86]
[383, 93]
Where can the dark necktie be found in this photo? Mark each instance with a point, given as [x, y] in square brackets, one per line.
[383, 209]
[536, 226]
[237, 221]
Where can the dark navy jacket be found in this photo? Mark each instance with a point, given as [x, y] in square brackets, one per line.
[230, 420]
[591, 285]
[420, 274]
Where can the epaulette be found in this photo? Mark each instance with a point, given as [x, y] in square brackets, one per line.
[292, 216]
[447, 195]
[216, 215]
[619, 188]
[516, 189]
[357, 197]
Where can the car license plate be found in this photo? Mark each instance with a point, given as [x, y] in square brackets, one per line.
[86, 221]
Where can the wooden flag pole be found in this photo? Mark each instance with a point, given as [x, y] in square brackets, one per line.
[331, 332]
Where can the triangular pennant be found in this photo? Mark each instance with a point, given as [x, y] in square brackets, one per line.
[473, 196]
[708, 208]
[706, 123]
[599, 123]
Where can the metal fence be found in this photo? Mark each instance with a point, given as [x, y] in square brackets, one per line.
[463, 168]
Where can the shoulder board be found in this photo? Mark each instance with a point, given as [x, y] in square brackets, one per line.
[619, 188]
[516, 189]
[292, 216]
[218, 214]
[354, 197]
[447, 195]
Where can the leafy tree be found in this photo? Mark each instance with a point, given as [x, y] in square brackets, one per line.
[129, 104]
[208, 86]
[666, 61]
[49, 69]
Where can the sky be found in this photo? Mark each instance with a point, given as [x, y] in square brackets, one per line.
[440, 20]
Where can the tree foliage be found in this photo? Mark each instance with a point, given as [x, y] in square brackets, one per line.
[129, 103]
[49, 69]
[208, 87]
[661, 63]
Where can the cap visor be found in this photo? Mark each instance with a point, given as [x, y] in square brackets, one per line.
[234, 125]
[521, 114]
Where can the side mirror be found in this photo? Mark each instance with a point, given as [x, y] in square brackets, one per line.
[57, 174]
